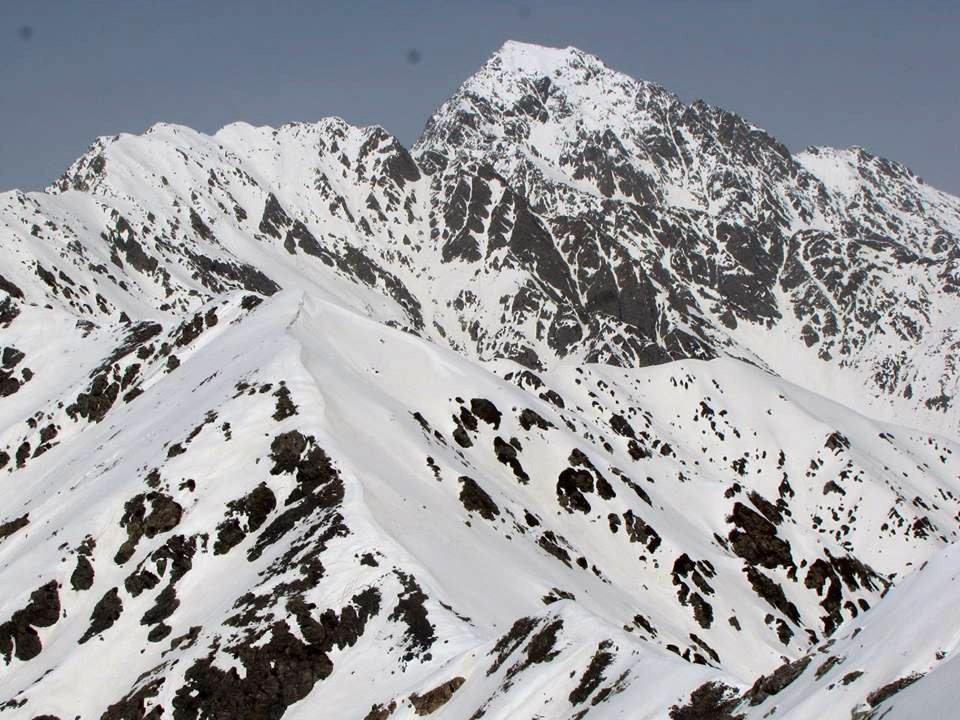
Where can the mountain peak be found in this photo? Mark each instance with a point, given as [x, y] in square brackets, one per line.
[528, 58]
[560, 89]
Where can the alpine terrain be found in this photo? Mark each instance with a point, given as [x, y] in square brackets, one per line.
[590, 404]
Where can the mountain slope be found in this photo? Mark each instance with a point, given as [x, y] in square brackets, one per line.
[688, 231]
[288, 469]
[297, 423]
[615, 223]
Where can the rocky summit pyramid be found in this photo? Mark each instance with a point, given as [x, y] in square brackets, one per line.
[590, 404]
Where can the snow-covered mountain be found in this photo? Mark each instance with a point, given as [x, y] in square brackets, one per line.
[591, 404]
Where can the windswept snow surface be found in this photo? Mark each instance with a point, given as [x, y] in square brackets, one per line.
[595, 404]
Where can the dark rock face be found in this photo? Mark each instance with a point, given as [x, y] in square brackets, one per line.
[214, 273]
[685, 569]
[164, 606]
[18, 638]
[278, 672]
[829, 578]
[461, 437]
[410, 610]
[11, 357]
[571, 486]
[530, 418]
[285, 405]
[95, 403]
[433, 700]
[13, 291]
[274, 218]
[285, 451]
[255, 508]
[319, 487]
[551, 543]
[639, 531]
[755, 539]
[133, 706]
[164, 515]
[593, 675]
[381, 712]
[43, 610]
[105, 613]
[475, 499]
[890, 689]
[281, 664]
[767, 685]
[621, 426]
[540, 649]
[125, 242]
[772, 592]
[83, 574]
[510, 641]
[710, 701]
[9, 527]
[486, 411]
[507, 454]
[141, 580]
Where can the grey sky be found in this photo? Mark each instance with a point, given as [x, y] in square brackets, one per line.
[875, 73]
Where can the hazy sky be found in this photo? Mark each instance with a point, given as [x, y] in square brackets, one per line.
[876, 73]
